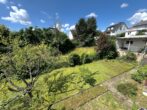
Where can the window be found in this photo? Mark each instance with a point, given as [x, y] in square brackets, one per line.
[129, 42]
[129, 33]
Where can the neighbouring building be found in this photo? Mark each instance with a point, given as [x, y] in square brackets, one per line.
[116, 29]
[135, 38]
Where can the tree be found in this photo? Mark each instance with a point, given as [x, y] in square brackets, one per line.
[4, 39]
[91, 26]
[106, 47]
[32, 67]
[48, 35]
[57, 84]
[4, 33]
[81, 29]
[62, 43]
[85, 31]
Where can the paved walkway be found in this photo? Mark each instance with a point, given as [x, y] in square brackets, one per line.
[111, 85]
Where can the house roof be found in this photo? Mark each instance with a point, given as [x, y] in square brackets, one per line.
[115, 26]
[140, 23]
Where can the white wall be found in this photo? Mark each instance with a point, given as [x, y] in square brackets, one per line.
[136, 46]
[132, 33]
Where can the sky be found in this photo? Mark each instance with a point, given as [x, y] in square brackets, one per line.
[17, 14]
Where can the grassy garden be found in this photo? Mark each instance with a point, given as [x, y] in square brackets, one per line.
[41, 69]
[100, 70]
[104, 102]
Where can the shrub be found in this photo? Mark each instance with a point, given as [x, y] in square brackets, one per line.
[121, 35]
[140, 75]
[87, 76]
[66, 46]
[85, 58]
[130, 57]
[106, 47]
[74, 60]
[127, 89]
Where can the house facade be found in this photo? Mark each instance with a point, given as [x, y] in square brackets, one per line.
[135, 38]
[116, 29]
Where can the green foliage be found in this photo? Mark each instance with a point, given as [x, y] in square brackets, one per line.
[5, 46]
[106, 48]
[66, 46]
[141, 32]
[128, 89]
[87, 76]
[130, 56]
[121, 35]
[74, 60]
[141, 74]
[85, 31]
[4, 34]
[28, 57]
[85, 58]
[58, 84]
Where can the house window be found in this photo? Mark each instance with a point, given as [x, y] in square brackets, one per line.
[127, 42]
[129, 33]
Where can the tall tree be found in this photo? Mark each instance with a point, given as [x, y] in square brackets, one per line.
[91, 26]
[85, 31]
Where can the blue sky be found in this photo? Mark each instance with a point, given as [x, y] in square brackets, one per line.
[17, 14]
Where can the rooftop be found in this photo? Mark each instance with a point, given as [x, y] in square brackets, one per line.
[140, 23]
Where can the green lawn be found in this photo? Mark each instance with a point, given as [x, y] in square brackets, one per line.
[80, 99]
[86, 50]
[104, 69]
[105, 102]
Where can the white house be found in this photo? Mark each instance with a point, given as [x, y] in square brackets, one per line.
[116, 29]
[135, 38]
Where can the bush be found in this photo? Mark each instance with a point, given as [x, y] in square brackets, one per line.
[74, 60]
[121, 35]
[66, 46]
[140, 75]
[127, 89]
[130, 57]
[85, 58]
[106, 47]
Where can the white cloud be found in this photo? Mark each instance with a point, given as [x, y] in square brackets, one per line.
[91, 15]
[3, 1]
[112, 23]
[72, 27]
[65, 25]
[138, 16]
[17, 15]
[42, 21]
[124, 5]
